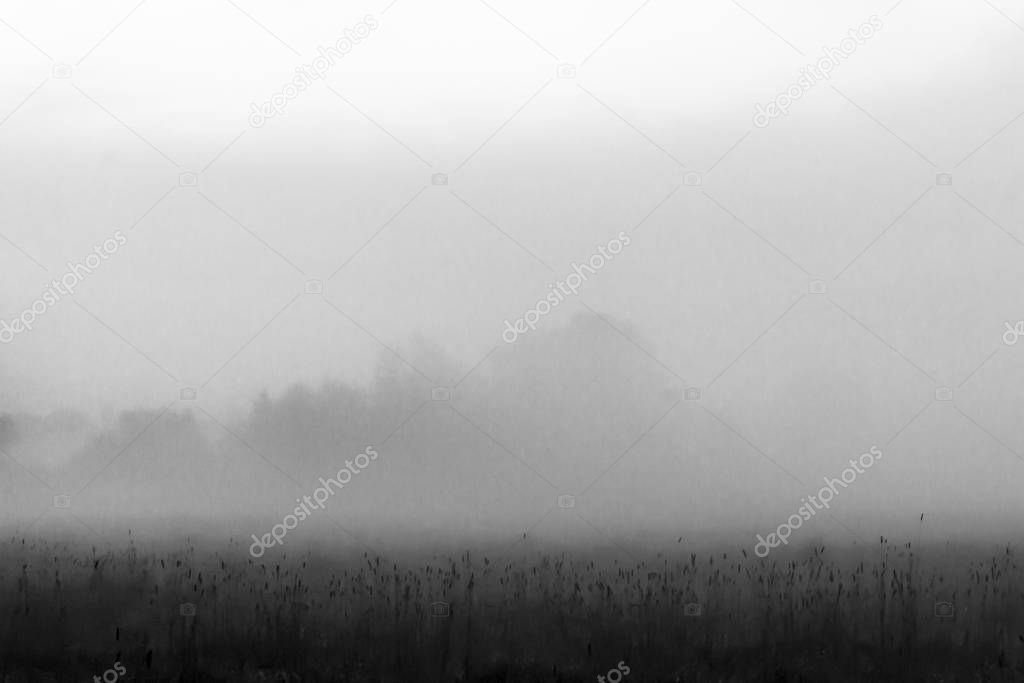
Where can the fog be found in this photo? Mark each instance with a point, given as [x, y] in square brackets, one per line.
[819, 285]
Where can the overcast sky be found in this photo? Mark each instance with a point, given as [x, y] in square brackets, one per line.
[106, 111]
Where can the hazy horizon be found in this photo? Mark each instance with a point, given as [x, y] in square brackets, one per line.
[819, 284]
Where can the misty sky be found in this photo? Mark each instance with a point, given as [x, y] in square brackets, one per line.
[713, 291]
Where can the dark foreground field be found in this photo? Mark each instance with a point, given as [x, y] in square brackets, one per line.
[192, 615]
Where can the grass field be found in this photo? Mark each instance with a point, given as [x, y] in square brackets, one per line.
[70, 613]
